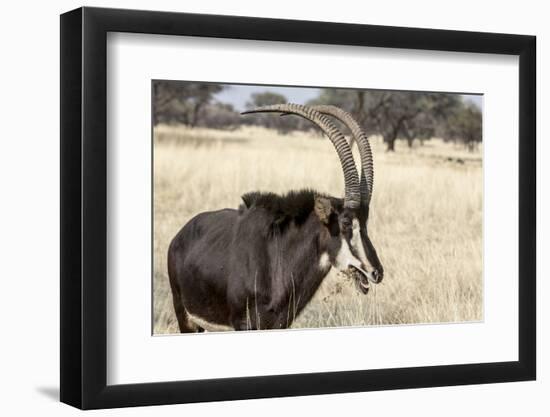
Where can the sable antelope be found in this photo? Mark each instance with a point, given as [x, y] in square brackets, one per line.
[256, 267]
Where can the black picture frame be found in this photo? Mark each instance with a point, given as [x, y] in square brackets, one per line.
[84, 207]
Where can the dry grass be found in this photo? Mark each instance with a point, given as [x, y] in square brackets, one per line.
[426, 218]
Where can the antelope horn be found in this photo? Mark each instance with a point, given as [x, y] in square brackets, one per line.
[367, 166]
[351, 179]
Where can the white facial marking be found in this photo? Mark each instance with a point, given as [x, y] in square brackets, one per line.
[324, 261]
[345, 258]
[208, 326]
[357, 244]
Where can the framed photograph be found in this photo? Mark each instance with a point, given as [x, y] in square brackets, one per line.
[257, 208]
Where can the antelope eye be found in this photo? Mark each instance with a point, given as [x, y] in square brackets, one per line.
[346, 222]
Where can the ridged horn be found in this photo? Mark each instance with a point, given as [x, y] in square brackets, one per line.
[367, 166]
[352, 197]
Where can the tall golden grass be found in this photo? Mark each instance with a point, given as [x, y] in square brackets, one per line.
[426, 218]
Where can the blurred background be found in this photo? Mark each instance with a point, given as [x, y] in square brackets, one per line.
[426, 210]
[393, 115]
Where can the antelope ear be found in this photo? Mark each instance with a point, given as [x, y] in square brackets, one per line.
[323, 209]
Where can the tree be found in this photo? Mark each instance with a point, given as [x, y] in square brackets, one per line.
[393, 114]
[353, 101]
[360, 103]
[465, 124]
[412, 115]
[219, 116]
[435, 110]
[181, 101]
[266, 98]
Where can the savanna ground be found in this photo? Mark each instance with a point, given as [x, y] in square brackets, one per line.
[425, 221]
